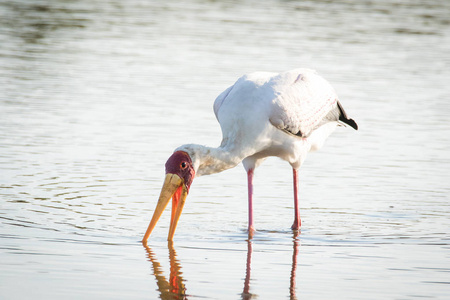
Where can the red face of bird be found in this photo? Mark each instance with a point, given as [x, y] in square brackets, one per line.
[179, 176]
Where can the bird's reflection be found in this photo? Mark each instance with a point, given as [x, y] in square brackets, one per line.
[174, 288]
[292, 291]
[246, 295]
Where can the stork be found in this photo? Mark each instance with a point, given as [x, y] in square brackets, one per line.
[262, 114]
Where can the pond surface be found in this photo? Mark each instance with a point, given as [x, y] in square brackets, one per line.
[95, 96]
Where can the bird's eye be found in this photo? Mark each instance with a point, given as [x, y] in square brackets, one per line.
[183, 165]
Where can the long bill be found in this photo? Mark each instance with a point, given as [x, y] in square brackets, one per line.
[174, 188]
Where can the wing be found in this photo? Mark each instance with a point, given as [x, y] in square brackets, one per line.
[219, 100]
[304, 102]
[248, 88]
[242, 110]
[297, 102]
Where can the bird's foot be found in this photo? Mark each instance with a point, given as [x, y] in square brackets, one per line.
[251, 232]
[297, 225]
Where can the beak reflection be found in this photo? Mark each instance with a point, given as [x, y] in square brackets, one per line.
[174, 288]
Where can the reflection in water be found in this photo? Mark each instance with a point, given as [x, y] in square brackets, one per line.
[294, 270]
[246, 295]
[173, 288]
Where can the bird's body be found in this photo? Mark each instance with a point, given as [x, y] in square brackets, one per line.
[285, 115]
[269, 114]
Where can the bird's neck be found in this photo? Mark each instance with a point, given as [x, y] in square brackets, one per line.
[209, 160]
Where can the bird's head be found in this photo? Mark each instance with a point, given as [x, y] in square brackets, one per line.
[179, 176]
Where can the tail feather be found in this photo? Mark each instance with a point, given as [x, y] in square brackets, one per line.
[344, 119]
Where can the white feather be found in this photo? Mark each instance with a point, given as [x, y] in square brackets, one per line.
[260, 116]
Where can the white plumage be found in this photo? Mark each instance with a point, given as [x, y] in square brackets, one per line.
[263, 114]
[269, 114]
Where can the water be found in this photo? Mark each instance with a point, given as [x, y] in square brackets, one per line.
[95, 95]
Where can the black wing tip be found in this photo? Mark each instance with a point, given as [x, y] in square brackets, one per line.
[351, 123]
[344, 119]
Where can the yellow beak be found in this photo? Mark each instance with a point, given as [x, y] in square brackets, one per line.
[174, 188]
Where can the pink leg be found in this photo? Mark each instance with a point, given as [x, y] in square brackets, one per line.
[297, 222]
[251, 228]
